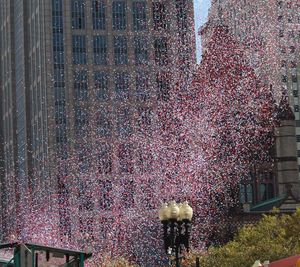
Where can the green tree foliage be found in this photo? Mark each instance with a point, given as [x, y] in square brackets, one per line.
[273, 237]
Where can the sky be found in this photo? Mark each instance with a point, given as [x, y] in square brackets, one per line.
[201, 9]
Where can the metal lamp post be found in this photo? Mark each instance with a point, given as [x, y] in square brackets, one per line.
[176, 220]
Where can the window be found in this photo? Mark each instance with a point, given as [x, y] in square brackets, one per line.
[292, 49]
[78, 14]
[266, 191]
[181, 8]
[128, 193]
[295, 93]
[60, 112]
[282, 49]
[159, 16]
[119, 15]
[163, 89]
[144, 118]
[139, 15]
[123, 122]
[294, 78]
[296, 108]
[101, 85]
[98, 12]
[283, 63]
[293, 64]
[79, 49]
[100, 50]
[281, 33]
[125, 154]
[80, 85]
[105, 159]
[105, 200]
[280, 18]
[83, 160]
[298, 138]
[122, 85]
[140, 50]
[142, 86]
[120, 50]
[145, 160]
[103, 123]
[81, 121]
[161, 51]
[59, 77]
[246, 193]
[284, 78]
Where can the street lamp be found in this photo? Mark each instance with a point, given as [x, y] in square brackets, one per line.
[176, 220]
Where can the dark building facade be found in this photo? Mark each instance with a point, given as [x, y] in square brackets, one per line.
[72, 70]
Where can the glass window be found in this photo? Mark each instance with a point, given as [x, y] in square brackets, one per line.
[249, 193]
[161, 51]
[270, 192]
[181, 9]
[81, 121]
[120, 50]
[139, 15]
[145, 160]
[106, 199]
[140, 50]
[122, 85]
[100, 50]
[83, 160]
[292, 49]
[119, 15]
[101, 85]
[79, 49]
[98, 12]
[123, 122]
[128, 193]
[105, 159]
[263, 192]
[103, 123]
[78, 14]
[159, 15]
[284, 78]
[142, 86]
[242, 194]
[80, 85]
[144, 118]
[163, 89]
[125, 154]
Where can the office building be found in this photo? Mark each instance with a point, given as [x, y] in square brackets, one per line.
[73, 70]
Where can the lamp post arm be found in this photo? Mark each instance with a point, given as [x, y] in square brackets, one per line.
[166, 236]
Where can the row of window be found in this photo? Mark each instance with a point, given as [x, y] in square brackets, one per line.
[121, 86]
[284, 78]
[120, 47]
[293, 64]
[59, 77]
[119, 19]
[123, 121]
[129, 159]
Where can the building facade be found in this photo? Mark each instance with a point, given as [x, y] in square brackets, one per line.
[73, 71]
[270, 32]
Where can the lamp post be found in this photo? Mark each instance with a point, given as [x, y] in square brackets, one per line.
[176, 220]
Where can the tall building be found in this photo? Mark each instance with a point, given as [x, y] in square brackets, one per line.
[75, 69]
[270, 32]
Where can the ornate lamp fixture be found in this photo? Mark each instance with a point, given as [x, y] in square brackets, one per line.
[176, 220]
